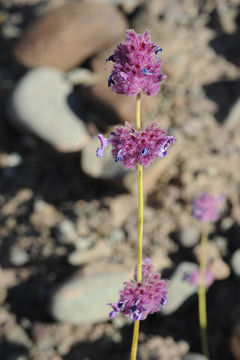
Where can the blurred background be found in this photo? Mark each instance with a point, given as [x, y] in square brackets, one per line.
[68, 221]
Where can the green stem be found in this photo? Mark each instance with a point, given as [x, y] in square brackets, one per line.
[202, 308]
[140, 234]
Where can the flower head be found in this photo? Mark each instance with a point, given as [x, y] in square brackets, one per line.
[137, 300]
[136, 67]
[206, 208]
[194, 277]
[131, 146]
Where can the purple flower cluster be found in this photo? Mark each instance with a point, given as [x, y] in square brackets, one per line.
[131, 146]
[194, 277]
[136, 67]
[205, 208]
[137, 300]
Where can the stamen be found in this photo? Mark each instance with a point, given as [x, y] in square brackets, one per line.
[119, 157]
[110, 58]
[157, 49]
[162, 151]
[163, 301]
[121, 306]
[145, 151]
[146, 71]
[110, 81]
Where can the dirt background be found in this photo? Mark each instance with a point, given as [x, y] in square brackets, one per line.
[57, 221]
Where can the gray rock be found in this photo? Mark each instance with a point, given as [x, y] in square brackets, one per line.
[235, 262]
[189, 236]
[18, 257]
[116, 237]
[226, 223]
[233, 117]
[66, 232]
[84, 243]
[44, 104]
[65, 37]
[222, 244]
[10, 31]
[83, 300]
[194, 356]
[179, 290]
[82, 76]
[80, 257]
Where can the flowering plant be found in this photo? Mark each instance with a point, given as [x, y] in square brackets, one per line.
[205, 207]
[137, 69]
[137, 300]
[206, 210]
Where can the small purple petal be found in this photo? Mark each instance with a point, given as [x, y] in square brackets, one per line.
[123, 75]
[100, 152]
[162, 152]
[163, 301]
[104, 142]
[112, 314]
[136, 316]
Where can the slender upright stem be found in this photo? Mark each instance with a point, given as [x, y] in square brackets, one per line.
[140, 234]
[202, 308]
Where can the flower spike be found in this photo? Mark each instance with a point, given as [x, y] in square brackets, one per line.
[136, 68]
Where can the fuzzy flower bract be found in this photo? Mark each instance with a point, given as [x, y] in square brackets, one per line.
[137, 67]
[205, 208]
[137, 300]
[131, 146]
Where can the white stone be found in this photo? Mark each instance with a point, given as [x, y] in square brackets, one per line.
[235, 262]
[83, 300]
[179, 290]
[44, 104]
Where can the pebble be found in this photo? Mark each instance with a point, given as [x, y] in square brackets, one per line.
[83, 300]
[80, 257]
[43, 103]
[235, 262]
[84, 243]
[235, 342]
[219, 269]
[116, 236]
[82, 76]
[179, 290]
[189, 236]
[233, 116]
[66, 232]
[67, 36]
[9, 31]
[222, 244]
[18, 257]
[194, 356]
